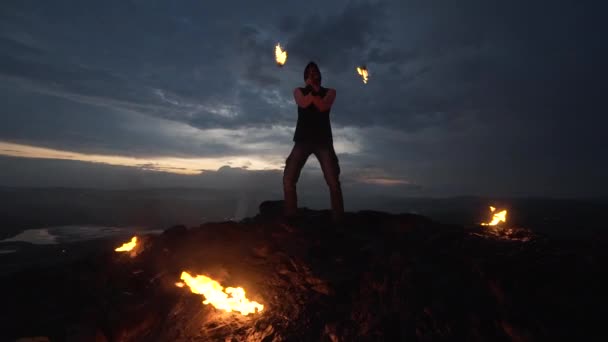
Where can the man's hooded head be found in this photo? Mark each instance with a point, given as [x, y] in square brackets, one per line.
[312, 71]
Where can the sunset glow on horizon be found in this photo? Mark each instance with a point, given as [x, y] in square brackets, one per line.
[185, 166]
[383, 181]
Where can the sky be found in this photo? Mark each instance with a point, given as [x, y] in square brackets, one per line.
[470, 97]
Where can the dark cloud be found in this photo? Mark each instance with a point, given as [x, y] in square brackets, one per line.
[256, 53]
[289, 24]
[457, 91]
[57, 123]
[332, 39]
[14, 47]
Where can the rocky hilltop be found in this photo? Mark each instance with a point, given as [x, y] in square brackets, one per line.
[379, 277]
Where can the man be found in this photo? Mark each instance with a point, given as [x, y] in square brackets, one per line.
[313, 136]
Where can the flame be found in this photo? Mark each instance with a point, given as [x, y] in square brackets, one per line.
[280, 55]
[230, 299]
[363, 72]
[127, 246]
[497, 217]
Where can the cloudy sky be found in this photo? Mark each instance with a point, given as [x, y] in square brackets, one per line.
[465, 97]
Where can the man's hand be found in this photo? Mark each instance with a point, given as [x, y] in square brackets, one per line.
[309, 98]
[301, 99]
[324, 104]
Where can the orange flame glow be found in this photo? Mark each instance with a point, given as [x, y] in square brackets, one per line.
[280, 55]
[127, 246]
[497, 217]
[363, 72]
[230, 299]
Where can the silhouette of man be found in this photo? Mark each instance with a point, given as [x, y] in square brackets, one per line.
[313, 136]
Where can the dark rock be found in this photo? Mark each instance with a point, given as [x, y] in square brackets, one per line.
[271, 209]
[381, 277]
[176, 230]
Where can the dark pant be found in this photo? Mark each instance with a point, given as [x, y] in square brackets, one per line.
[331, 171]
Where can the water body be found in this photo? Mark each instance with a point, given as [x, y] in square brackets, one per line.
[57, 244]
[69, 234]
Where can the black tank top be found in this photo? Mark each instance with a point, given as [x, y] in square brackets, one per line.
[313, 125]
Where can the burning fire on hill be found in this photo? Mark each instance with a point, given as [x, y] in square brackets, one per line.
[132, 248]
[498, 227]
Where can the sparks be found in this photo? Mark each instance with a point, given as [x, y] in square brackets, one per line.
[363, 72]
[280, 55]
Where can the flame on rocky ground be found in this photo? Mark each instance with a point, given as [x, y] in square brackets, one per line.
[229, 299]
[497, 217]
[363, 72]
[127, 246]
[496, 230]
[280, 55]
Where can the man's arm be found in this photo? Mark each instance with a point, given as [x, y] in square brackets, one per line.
[301, 99]
[324, 104]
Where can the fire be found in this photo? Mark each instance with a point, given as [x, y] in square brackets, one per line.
[127, 246]
[497, 217]
[280, 55]
[230, 299]
[363, 72]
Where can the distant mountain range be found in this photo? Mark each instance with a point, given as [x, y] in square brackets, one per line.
[158, 208]
[23, 208]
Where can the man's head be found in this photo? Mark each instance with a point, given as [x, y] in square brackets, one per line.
[312, 74]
